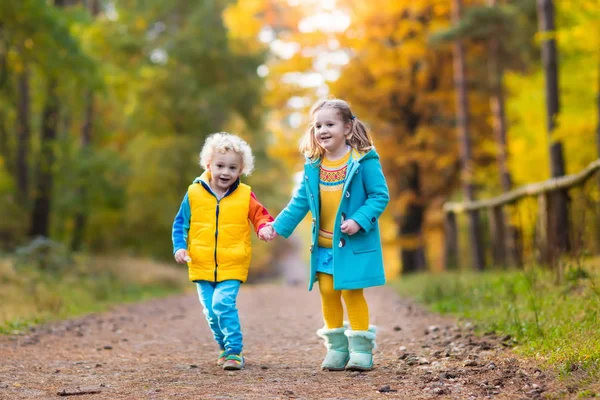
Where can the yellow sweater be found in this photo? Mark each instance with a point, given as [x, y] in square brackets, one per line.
[331, 183]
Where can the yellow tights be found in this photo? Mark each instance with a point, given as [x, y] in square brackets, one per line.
[331, 304]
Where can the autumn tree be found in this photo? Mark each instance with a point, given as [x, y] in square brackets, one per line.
[506, 31]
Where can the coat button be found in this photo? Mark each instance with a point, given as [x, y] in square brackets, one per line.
[343, 217]
[347, 194]
[342, 242]
[373, 219]
[311, 248]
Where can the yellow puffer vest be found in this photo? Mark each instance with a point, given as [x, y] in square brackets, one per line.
[219, 238]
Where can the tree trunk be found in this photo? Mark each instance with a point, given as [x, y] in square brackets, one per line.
[462, 106]
[81, 215]
[559, 224]
[506, 245]
[23, 137]
[496, 77]
[412, 252]
[451, 242]
[40, 225]
[4, 146]
[410, 223]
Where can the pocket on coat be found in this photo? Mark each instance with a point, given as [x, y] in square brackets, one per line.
[362, 243]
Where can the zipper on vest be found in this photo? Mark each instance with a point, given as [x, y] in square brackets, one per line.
[216, 239]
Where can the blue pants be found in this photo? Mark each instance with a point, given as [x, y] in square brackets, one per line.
[219, 302]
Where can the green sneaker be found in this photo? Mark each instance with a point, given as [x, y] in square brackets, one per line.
[234, 362]
[221, 359]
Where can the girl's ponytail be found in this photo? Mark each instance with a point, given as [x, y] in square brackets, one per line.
[359, 137]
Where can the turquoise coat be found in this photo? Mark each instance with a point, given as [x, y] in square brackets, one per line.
[357, 259]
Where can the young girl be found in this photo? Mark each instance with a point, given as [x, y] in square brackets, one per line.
[345, 191]
[211, 233]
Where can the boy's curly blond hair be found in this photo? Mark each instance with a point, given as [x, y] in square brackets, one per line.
[223, 142]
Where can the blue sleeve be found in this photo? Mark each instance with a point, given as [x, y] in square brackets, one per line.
[181, 225]
[378, 196]
[294, 213]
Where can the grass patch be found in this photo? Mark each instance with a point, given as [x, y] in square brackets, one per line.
[557, 323]
[30, 296]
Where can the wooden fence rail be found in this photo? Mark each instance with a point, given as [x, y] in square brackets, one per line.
[502, 239]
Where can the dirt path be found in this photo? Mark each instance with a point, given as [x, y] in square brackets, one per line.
[162, 349]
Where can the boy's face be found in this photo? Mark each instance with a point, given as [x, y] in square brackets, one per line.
[225, 169]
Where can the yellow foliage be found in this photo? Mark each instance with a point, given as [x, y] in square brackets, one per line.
[242, 29]
[395, 74]
[578, 39]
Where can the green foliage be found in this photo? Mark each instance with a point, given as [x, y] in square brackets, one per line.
[140, 75]
[478, 22]
[104, 174]
[513, 25]
[38, 32]
[157, 163]
[13, 216]
[555, 322]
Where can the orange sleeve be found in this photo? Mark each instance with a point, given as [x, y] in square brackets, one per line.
[258, 214]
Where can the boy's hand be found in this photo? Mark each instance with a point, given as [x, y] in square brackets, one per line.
[274, 233]
[350, 227]
[182, 256]
[267, 233]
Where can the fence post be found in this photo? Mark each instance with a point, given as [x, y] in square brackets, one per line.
[512, 239]
[515, 245]
[498, 235]
[542, 233]
[451, 248]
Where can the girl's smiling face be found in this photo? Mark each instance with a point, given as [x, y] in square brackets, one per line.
[225, 169]
[330, 131]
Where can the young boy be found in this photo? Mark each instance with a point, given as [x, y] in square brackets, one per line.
[211, 233]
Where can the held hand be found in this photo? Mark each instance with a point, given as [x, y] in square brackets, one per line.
[274, 233]
[267, 233]
[182, 256]
[350, 227]
[264, 233]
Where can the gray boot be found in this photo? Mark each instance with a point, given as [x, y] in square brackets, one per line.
[336, 343]
[361, 344]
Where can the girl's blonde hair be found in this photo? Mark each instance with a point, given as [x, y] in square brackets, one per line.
[358, 138]
[223, 142]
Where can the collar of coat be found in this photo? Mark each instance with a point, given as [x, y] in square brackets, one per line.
[204, 180]
[355, 156]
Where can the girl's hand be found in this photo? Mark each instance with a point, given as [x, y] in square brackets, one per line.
[182, 256]
[350, 227]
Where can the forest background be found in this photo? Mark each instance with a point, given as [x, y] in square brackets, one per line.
[104, 106]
